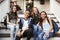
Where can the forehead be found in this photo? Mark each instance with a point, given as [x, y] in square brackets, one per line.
[14, 7]
[34, 8]
[26, 11]
[43, 13]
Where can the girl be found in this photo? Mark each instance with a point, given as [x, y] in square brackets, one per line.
[25, 28]
[12, 22]
[35, 13]
[47, 27]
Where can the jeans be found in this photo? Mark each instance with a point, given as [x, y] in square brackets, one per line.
[37, 30]
[42, 36]
[27, 33]
[13, 31]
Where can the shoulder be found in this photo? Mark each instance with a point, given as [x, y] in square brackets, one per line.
[49, 18]
[21, 18]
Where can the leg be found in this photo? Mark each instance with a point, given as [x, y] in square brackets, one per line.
[44, 37]
[35, 31]
[18, 37]
[40, 36]
[28, 33]
[11, 27]
[50, 35]
[16, 30]
[39, 29]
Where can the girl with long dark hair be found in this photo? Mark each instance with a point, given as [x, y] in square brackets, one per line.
[12, 22]
[47, 27]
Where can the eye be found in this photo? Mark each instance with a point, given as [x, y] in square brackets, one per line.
[1, 1]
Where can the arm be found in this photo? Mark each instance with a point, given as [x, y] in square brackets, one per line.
[51, 25]
[50, 29]
[8, 20]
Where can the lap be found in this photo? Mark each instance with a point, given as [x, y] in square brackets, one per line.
[26, 32]
[42, 34]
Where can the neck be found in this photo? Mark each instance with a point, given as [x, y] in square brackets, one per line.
[26, 18]
[44, 20]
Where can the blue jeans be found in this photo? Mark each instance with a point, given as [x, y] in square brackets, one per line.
[37, 30]
[42, 36]
[13, 31]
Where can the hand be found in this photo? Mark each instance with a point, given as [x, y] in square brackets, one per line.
[24, 28]
[47, 34]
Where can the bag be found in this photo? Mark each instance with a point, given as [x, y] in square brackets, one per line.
[5, 22]
[55, 26]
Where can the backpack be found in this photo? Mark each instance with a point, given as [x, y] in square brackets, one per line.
[55, 26]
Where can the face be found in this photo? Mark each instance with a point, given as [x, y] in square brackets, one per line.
[26, 14]
[14, 9]
[35, 10]
[43, 15]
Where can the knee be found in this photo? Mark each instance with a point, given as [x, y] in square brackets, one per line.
[18, 34]
[35, 29]
[17, 26]
[40, 36]
[44, 37]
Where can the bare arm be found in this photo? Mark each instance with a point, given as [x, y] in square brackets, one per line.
[51, 25]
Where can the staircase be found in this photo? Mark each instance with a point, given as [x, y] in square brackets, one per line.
[5, 34]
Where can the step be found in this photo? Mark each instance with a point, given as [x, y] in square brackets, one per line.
[4, 31]
[8, 38]
[50, 14]
[8, 35]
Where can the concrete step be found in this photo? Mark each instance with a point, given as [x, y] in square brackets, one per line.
[3, 31]
[54, 38]
[6, 33]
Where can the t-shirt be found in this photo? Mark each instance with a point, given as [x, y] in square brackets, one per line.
[25, 24]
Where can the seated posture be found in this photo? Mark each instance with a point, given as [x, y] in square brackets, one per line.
[25, 29]
[35, 13]
[47, 27]
[12, 22]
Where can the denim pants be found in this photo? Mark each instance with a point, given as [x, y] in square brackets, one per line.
[13, 31]
[37, 30]
[42, 36]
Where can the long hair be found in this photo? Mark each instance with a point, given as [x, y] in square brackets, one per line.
[13, 13]
[33, 14]
[41, 20]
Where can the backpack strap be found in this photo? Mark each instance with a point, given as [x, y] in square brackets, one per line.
[48, 20]
[55, 26]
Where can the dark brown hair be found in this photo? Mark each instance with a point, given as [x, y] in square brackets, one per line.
[11, 13]
[41, 20]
